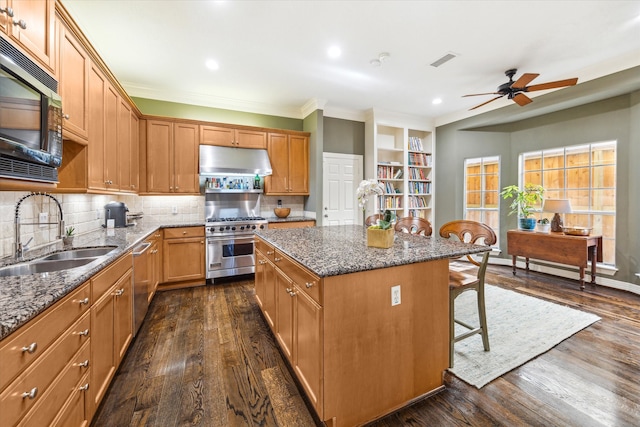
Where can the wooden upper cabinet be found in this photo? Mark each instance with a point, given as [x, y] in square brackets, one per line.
[159, 143]
[124, 147]
[135, 151]
[229, 137]
[38, 35]
[171, 157]
[95, 166]
[111, 149]
[4, 19]
[73, 76]
[289, 156]
[185, 158]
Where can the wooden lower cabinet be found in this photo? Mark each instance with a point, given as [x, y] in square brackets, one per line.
[183, 254]
[294, 315]
[112, 325]
[155, 258]
[356, 356]
[265, 286]
[52, 352]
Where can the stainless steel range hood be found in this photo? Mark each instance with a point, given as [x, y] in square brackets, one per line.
[229, 160]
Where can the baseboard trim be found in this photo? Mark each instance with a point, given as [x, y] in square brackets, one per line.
[568, 273]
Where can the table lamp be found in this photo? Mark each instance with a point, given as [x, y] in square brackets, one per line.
[557, 206]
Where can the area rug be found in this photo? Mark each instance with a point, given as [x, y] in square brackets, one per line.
[520, 328]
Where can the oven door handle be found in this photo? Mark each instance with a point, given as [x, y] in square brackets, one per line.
[138, 251]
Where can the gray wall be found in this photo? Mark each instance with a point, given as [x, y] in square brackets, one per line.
[611, 119]
[343, 136]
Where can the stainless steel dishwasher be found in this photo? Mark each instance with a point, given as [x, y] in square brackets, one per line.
[141, 278]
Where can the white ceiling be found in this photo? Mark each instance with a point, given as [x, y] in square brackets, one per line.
[273, 54]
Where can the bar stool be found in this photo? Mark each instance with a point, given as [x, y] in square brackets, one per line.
[459, 282]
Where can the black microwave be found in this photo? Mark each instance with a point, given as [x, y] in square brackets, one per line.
[30, 119]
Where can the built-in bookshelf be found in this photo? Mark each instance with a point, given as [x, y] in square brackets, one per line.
[401, 159]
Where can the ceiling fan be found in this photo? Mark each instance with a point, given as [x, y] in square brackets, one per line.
[515, 89]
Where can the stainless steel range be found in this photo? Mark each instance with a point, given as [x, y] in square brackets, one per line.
[231, 218]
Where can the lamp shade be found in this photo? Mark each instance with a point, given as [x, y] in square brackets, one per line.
[557, 206]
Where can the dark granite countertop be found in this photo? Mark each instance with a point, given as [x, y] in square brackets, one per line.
[24, 297]
[342, 249]
[290, 219]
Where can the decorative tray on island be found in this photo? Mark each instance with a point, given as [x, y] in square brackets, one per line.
[576, 231]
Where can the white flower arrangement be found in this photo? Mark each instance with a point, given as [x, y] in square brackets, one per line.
[366, 189]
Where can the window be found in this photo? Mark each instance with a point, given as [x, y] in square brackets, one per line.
[584, 174]
[482, 191]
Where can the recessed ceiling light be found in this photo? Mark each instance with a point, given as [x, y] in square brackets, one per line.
[334, 52]
[436, 101]
[212, 64]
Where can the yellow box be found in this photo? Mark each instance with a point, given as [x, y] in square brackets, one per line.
[379, 238]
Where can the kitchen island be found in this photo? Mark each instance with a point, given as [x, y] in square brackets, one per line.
[364, 329]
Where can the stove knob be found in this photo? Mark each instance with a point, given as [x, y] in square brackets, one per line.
[253, 227]
[261, 226]
[233, 228]
[221, 228]
[242, 227]
[227, 227]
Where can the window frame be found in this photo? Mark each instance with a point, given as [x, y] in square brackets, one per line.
[578, 215]
[481, 162]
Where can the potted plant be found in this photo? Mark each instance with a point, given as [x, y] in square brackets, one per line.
[543, 226]
[381, 235]
[67, 239]
[523, 202]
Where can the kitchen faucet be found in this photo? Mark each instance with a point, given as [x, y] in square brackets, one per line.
[19, 247]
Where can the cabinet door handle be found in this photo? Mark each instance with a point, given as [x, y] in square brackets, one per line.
[84, 301]
[119, 292]
[8, 11]
[84, 364]
[66, 116]
[262, 262]
[276, 259]
[30, 394]
[84, 387]
[308, 285]
[31, 348]
[21, 23]
[84, 333]
[270, 252]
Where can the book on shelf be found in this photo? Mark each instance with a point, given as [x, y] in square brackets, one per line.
[415, 143]
[398, 174]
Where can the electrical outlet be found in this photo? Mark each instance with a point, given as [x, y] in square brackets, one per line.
[43, 219]
[174, 210]
[395, 295]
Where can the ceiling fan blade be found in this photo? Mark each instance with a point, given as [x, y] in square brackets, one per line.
[478, 94]
[521, 99]
[524, 80]
[552, 85]
[485, 103]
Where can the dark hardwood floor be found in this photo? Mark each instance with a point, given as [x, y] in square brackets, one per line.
[205, 357]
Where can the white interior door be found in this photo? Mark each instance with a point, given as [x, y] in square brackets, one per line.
[341, 175]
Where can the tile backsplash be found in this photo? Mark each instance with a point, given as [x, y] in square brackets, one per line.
[85, 212]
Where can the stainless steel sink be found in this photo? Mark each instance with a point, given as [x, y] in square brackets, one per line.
[44, 266]
[80, 253]
[60, 261]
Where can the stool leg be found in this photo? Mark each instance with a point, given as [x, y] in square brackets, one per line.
[452, 298]
[483, 318]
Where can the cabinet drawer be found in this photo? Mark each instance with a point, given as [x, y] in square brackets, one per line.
[38, 377]
[266, 249]
[178, 233]
[306, 281]
[102, 281]
[75, 413]
[38, 334]
[69, 384]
